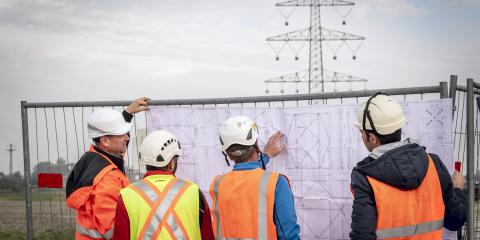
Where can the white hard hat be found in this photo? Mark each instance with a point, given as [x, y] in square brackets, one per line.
[238, 130]
[107, 122]
[158, 148]
[383, 111]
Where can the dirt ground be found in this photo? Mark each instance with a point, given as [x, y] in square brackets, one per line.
[47, 215]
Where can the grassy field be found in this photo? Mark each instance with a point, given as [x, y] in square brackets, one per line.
[52, 219]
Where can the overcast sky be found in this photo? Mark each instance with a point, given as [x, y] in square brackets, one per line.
[56, 50]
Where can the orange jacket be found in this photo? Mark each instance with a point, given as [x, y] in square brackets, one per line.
[410, 214]
[93, 188]
[243, 204]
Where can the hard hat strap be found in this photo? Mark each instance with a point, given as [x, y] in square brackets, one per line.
[366, 113]
[261, 156]
[226, 159]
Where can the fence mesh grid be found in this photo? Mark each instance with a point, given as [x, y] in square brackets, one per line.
[58, 138]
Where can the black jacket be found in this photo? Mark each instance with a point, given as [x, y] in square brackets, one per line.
[405, 168]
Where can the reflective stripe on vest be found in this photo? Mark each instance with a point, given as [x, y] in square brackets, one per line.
[93, 233]
[410, 230]
[239, 238]
[217, 210]
[147, 190]
[262, 208]
[162, 208]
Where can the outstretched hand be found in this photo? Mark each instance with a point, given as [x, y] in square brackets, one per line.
[138, 105]
[458, 180]
[274, 145]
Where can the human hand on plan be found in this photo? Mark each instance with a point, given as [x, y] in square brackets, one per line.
[274, 145]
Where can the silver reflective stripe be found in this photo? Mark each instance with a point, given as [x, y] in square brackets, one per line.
[410, 230]
[262, 206]
[162, 208]
[145, 188]
[217, 212]
[239, 238]
[93, 233]
[109, 234]
[177, 232]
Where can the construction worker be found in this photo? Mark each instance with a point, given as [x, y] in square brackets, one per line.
[400, 191]
[248, 202]
[161, 206]
[94, 184]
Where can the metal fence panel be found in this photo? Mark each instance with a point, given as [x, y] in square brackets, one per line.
[54, 138]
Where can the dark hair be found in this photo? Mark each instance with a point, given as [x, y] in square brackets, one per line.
[240, 153]
[389, 138]
[150, 168]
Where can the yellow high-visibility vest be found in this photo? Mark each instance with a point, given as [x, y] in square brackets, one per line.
[162, 207]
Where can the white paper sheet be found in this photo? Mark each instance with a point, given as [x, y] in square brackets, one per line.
[322, 148]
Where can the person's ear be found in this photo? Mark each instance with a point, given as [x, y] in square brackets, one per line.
[373, 138]
[104, 140]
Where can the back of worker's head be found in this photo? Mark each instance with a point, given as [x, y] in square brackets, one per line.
[238, 137]
[381, 116]
[159, 149]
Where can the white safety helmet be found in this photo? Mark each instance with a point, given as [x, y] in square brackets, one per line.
[383, 112]
[158, 149]
[107, 122]
[238, 130]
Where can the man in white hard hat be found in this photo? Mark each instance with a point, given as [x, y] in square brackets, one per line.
[400, 191]
[94, 184]
[249, 202]
[161, 206]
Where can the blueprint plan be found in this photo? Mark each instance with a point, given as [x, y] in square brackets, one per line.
[322, 148]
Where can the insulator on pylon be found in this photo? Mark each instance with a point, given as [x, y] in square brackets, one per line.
[296, 58]
[277, 58]
[354, 57]
[296, 91]
[344, 22]
[281, 91]
[286, 23]
[334, 57]
[266, 91]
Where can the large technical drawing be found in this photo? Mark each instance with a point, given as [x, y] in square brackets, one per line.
[322, 148]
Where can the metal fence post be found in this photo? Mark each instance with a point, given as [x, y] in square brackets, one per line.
[470, 160]
[443, 90]
[453, 92]
[26, 170]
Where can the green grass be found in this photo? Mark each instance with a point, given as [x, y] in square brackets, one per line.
[47, 235]
[12, 235]
[36, 196]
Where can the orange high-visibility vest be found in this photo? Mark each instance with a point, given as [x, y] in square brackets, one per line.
[98, 224]
[243, 205]
[412, 214]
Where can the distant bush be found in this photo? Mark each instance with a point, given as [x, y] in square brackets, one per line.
[14, 182]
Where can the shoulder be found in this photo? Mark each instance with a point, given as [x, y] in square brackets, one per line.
[437, 161]
[190, 183]
[92, 161]
[88, 167]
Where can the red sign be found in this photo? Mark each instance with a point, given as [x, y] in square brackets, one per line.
[458, 166]
[50, 180]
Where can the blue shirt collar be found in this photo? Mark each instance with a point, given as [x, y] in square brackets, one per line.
[247, 166]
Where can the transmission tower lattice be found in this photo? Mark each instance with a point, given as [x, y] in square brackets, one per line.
[315, 76]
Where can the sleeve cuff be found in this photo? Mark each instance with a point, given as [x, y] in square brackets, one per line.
[127, 116]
